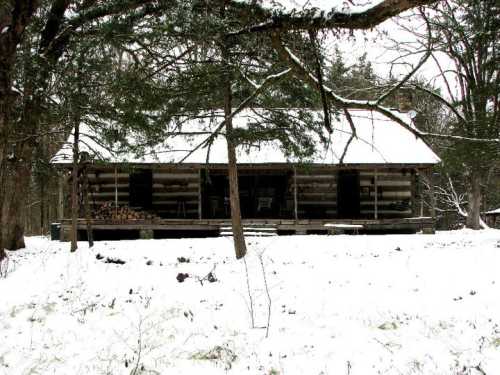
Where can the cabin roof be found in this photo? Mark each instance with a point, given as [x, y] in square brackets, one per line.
[379, 141]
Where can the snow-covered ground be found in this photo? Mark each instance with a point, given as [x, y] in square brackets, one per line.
[399, 304]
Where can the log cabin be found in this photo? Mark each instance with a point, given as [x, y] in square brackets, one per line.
[492, 218]
[366, 183]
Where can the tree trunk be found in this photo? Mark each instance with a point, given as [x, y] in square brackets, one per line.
[6, 104]
[474, 199]
[234, 195]
[74, 189]
[42, 208]
[20, 177]
[18, 18]
[3, 173]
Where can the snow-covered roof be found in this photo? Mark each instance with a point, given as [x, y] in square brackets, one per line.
[493, 212]
[379, 141]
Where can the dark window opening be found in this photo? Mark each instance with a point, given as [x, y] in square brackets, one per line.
[141, 189]
[348, 197]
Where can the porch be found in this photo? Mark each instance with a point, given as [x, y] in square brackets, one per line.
[177, 228]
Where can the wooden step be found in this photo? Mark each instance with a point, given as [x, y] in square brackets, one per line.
[251, 230]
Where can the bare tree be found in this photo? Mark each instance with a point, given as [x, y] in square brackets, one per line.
[466, 33]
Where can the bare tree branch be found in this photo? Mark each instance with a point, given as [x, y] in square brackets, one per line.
[353, 135]
[312, 19]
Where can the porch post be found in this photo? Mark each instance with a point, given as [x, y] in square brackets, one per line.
[295, 197]
[199, 193]
[60, 197]
[116, 191]
[375, 182]
[414, 181]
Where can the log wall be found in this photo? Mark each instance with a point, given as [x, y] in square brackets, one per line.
[311, 191]
[395, 189]
[175, 192]
[316, 193]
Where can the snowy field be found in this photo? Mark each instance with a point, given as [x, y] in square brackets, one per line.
[399, 304]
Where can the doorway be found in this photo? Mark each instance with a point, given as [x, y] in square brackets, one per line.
[141, 189]
[348, 197]
[261, 196]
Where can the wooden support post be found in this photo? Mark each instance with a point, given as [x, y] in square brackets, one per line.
[88, 214]
[432, 194]
[65, 234]
[414, 182]
[146, 234]
[200, 174]
[295, 195]
[375, 182]
[116, 192]
[60, 198]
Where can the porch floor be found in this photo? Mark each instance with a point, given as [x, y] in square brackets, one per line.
[288, 226]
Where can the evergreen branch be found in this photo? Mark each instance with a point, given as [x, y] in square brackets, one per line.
[269, 79]
[58, 40]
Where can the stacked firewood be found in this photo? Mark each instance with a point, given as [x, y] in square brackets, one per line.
[108, 211]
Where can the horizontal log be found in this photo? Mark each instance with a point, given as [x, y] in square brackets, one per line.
[98, 189]
[317, 185]
[108, 180]
[317, 172]
[380, 201]
[108, 175]
[176, 194]
[174, 212]
[109, 194]
[318, 196]
[172, 204]
[316, 177]
[100, 202]
[109, 186]
[396, 194]
[386, 178]
[170, 176]
[385, 183]
[384, 212]
[385, 207]
[173, 190]
[179, 182]
[385, 172]
[170, 185]
[317, 203]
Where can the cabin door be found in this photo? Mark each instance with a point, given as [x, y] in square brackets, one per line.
[348, 201]
[141, 189]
